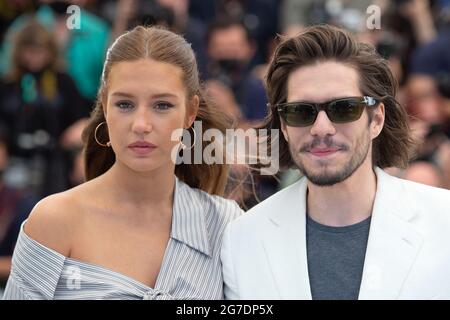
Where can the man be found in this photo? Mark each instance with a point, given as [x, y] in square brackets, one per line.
[347, 229]
[230, 50]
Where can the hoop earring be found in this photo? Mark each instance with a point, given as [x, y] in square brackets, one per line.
[184, 147]
[108, 144]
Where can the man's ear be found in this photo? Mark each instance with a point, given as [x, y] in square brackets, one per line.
[192, 111]
[284, 130]
[377, 122]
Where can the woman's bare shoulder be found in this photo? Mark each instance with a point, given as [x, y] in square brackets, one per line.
[54, 219]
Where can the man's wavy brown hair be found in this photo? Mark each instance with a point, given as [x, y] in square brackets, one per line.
[394, 146]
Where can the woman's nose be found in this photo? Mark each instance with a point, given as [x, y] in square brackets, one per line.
[142, 121]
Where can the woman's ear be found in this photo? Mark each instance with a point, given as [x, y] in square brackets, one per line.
[192, 110]
[104, 104]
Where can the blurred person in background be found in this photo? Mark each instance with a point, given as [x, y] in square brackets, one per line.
[82, 49]
[42, 109]
[406, 24]
[192, 29]
[413, 40]
[11, 9]
[428, 97]
[239, 92]
[426, 173]
[76, 167]
[171, 14]
[414, 19]
[230, 50]
[297, 14]
[260, 17]
[15, 206]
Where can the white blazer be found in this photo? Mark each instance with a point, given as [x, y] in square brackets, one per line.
[407, 257]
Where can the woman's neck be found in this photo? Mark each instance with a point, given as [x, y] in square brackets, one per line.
[139, 189]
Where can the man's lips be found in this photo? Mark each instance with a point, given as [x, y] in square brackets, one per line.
[323, 152]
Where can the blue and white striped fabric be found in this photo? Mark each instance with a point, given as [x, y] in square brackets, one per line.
[190, 269]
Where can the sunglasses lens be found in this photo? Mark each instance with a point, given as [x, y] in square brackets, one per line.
[302, 114]
[299, 115]
[345, 110]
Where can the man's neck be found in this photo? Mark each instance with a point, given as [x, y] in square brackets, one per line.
[344, 203]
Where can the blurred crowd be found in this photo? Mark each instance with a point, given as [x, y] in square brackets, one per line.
[49, 75]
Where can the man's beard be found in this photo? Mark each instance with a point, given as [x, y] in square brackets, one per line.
[325, 178]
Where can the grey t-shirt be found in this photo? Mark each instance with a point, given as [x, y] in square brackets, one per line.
[336, 259]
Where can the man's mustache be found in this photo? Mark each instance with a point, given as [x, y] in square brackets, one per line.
[327, 142]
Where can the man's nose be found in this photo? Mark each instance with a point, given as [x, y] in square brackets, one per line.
[322, 126]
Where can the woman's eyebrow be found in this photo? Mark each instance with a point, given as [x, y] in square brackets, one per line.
[157, 95]
[164, 95]
[122, 94]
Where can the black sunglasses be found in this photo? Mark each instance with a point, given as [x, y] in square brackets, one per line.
[302, 114]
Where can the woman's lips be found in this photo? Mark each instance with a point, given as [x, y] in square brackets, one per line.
[142, 150]
[142, 147]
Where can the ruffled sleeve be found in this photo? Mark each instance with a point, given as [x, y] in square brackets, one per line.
[35, 270]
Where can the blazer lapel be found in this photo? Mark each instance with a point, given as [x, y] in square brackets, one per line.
[393, 244]
[285, 243]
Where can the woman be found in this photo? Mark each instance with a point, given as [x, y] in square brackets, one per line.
[141, 226]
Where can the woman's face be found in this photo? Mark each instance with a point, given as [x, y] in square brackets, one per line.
[35, 58]
[146, 101]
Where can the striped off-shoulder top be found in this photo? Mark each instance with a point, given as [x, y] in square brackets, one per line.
[190, 269]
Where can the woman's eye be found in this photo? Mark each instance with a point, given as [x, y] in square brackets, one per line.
[123, 105]
[163, 106]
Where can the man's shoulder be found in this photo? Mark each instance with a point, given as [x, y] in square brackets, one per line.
[426, 210]
[430, 203]
[432, 199]
[421, 193]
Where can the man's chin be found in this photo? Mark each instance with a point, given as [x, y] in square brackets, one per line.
[325, 181]
[325, 177]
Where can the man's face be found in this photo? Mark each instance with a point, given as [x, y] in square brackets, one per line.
[424, 101]
[230, 43]
[328, 153]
